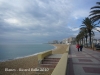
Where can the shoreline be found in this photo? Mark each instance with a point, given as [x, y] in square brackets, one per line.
[20, 57]
[28, 55]
[26, 62]
[55, 47]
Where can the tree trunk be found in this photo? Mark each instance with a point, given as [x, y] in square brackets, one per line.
[86, 39]
[90, 38]
[79, 41]
[82, 41]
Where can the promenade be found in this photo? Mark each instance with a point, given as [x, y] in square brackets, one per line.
[86, 62]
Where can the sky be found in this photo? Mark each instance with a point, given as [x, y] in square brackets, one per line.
[40, 21]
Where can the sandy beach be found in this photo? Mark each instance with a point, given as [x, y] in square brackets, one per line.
[16, 67]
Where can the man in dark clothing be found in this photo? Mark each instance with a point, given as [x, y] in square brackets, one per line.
[81, 46]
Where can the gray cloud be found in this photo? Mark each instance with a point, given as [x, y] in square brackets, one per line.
[35, 21]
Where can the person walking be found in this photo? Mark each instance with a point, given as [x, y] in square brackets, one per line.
[81, 46]
[78, 46]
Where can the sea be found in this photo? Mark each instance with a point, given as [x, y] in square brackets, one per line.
[16, 51]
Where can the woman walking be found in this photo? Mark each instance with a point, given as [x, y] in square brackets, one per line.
[78, 46]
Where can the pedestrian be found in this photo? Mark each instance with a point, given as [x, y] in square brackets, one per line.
[81, 46]
[78, 46]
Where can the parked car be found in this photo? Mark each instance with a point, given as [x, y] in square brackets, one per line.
[97, 46]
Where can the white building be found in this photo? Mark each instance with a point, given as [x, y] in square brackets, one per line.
[65, 41]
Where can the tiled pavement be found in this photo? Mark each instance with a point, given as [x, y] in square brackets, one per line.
[86, 62]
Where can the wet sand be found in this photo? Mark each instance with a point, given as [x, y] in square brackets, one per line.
[16, 67]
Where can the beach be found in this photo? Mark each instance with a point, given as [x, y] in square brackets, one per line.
[24, 66]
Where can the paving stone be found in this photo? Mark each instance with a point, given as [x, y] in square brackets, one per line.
[86, 62]
[91, 69]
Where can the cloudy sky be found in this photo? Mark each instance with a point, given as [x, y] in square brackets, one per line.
[40, 21]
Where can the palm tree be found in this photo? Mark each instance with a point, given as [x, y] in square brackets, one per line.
[80, 37]
[99, 40]
[77, 38]
[92, 34]
[85, 33]
[95, 13]
[89, 25]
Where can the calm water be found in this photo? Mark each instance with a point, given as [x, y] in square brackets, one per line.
[12, 51]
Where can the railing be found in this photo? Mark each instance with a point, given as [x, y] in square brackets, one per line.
[42, 55]
[61, 67]
[67, 50]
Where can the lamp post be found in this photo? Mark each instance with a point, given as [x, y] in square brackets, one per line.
[93, 42]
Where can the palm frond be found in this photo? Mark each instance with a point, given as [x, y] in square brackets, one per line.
[95, 7]
[98, 30]
[93, 12]
[82, 25]
[97, 26]
[98, 22]
[95, 18]
[98, 3]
